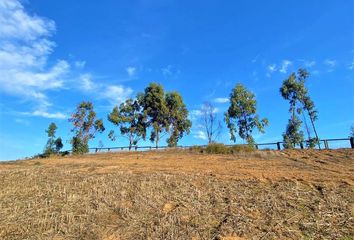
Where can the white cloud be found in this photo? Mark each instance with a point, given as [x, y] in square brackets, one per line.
[116, 94]
[22, 121]
[80, 64]
[86, 82]
[200, 135]
[17, 24]
[131, 71]
[170, 70]
[45, 114]
[272, 68]
[330, 63]
[221, 100]
[351, 65]
[284, 66]
[309, 64]
[24, 50]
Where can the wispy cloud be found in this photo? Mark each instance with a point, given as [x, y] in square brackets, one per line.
[86, 82]
[45, 114]
[309, 64]
[331, 64]
[170, 71]
[200, 135]
[24, 50]
[221, 100]
[116, 94]
[131, 71]
[80, 64]
[284, 66]
[22, 121]
[351, 65]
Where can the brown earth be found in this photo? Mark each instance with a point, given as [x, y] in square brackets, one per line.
[299, 194]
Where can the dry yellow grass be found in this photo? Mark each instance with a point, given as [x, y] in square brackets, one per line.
[180, 195]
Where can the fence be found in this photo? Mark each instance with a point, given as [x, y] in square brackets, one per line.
[324, 143]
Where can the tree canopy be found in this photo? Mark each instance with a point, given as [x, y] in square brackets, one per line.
[85, 126]
[241, 115]
[131, 121]
[177, 118]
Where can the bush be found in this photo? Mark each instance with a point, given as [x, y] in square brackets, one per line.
[242, 148]
[217, 148]
[196, 149]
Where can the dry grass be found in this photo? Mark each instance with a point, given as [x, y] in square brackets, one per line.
[180, 195]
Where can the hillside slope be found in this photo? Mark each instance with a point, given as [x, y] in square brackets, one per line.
[180, 195]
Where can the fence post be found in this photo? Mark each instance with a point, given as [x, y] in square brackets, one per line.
[256, 145]
[352, 142]
[278, 145]
[326, 144]
[301, 145]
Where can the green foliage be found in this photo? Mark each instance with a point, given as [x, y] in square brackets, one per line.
[242, 113]
[154, 106]
[293, 136]
[219, 148]
[293, 89]
[85, 127]
[177, 118]
[131, 121]
[54, 144]
[351, 131]
[78, 146]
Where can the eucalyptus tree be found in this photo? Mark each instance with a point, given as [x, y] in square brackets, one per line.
[85, 127]
[241, 116]
[54, 144]
[177, 118]
[130, 120]
[294, 90]
[155, 109]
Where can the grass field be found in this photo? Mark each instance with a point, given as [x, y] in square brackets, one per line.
[299, 194]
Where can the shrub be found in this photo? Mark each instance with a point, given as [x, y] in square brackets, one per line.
[242, 148]
[196, 149]
[217, 148]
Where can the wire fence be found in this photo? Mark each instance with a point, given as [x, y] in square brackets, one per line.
[324, 144]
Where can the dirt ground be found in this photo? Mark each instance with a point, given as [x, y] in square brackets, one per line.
[298, 194]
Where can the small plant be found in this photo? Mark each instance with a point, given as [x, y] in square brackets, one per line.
[196, 149]
[217, 148]
[242, 148]
[54, 144]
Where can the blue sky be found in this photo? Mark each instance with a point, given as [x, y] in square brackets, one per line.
[54, 54]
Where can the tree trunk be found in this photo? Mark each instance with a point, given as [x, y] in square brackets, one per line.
[157, 139]
[314, 129]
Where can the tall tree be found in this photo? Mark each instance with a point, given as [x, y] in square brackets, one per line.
[177, 118]
[54, 144]
[242, 112]
[210, 123]
[154, 106]
[85, 127]
[352, 131]
[130, 120]
[293, 89]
